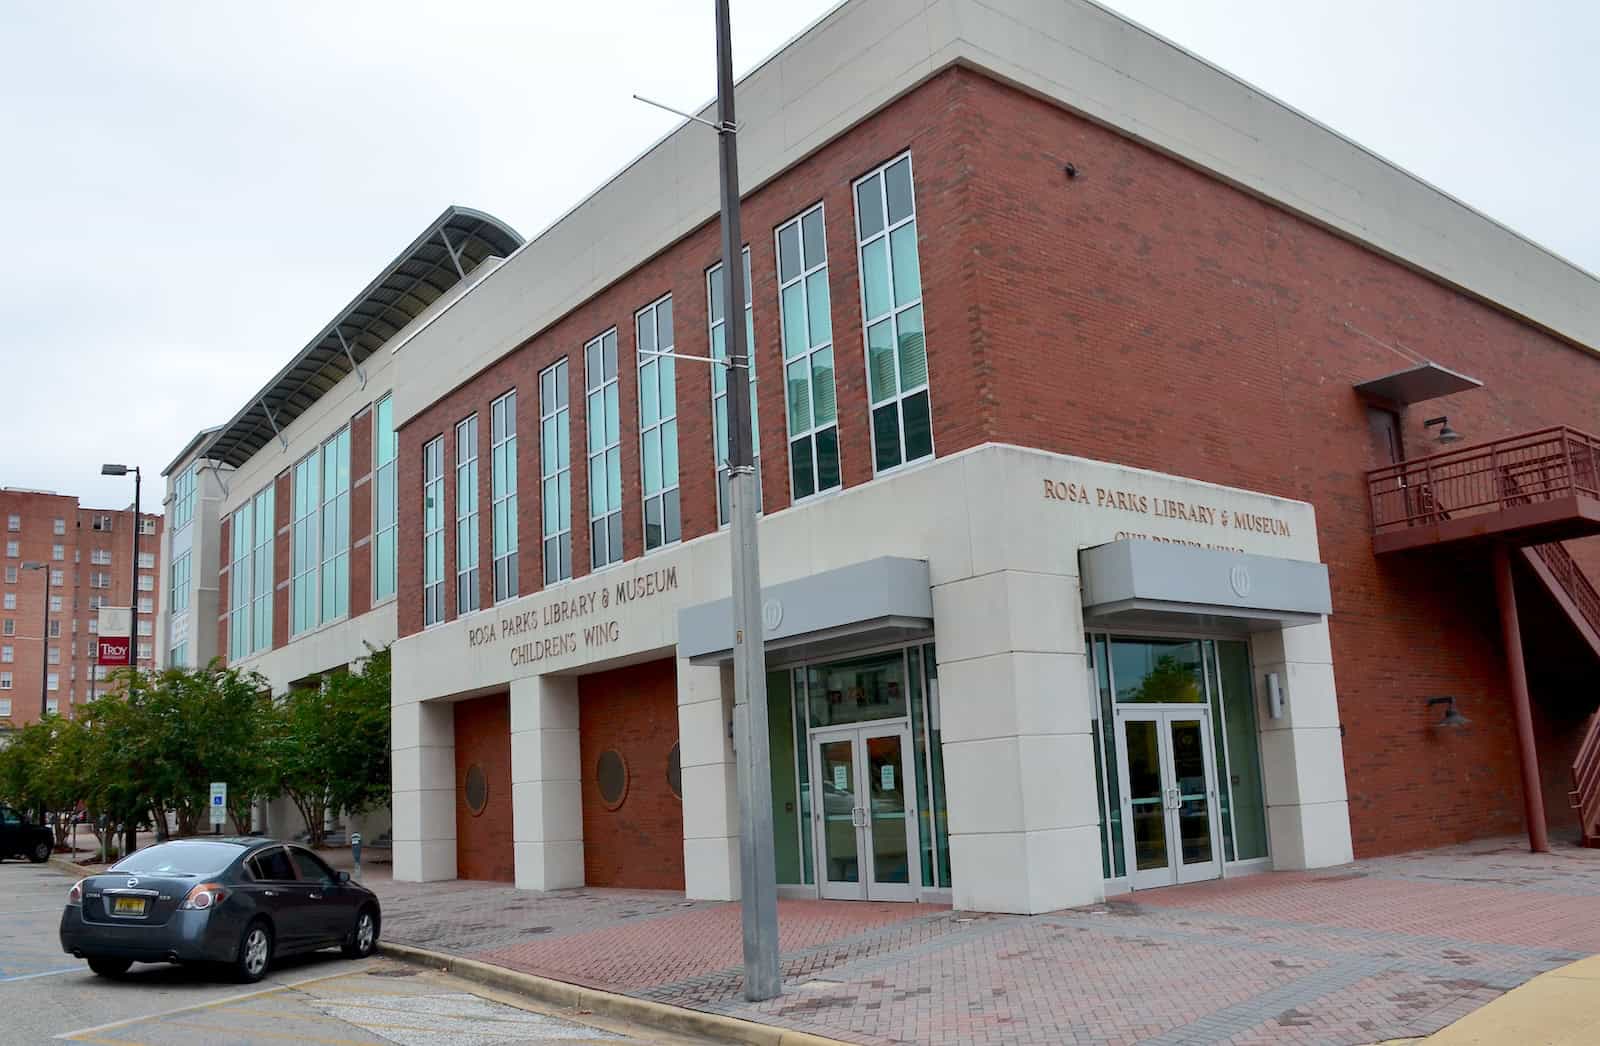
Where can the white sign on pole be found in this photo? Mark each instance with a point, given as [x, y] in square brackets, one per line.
[219, 801]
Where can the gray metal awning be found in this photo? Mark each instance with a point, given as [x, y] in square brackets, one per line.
[1137, 583]
[452, 245]
[880, 601]
[1417, 384]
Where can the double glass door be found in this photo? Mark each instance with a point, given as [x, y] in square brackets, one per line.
[1169, 796]
[863, 812]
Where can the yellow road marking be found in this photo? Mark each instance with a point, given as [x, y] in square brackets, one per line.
[107, 1042]
[183, 1023]
[78, 1036]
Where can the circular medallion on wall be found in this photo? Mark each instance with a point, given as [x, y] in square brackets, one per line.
[675, 771]
[611, 775]
[475, 789]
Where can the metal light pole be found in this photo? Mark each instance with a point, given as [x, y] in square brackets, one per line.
[44, 634]
[757, 869]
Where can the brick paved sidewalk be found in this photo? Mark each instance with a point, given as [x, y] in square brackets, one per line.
[1391, 947]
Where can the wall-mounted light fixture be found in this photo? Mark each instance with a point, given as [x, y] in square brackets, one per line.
[1446, 433]
[1071, 170]
[1452, 719]
[1274, 696]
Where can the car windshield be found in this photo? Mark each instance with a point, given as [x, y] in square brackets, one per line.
[183, 858]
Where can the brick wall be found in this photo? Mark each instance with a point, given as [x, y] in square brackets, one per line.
[1143, 313]
[633, 711]
[483, 840]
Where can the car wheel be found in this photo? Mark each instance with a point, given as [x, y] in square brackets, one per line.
[255, 953]
[108, 967]
[40, 854]
[363, 936]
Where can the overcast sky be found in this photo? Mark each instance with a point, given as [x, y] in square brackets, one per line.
[194, 189]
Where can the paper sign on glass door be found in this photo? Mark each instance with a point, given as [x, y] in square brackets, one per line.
[841, 780]
[886, 777]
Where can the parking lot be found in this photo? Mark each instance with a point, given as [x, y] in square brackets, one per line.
[47, 996]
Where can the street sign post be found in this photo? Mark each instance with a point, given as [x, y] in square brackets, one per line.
[219, 803]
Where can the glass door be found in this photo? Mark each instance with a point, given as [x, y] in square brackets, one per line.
[864, 815]
[1169, 796]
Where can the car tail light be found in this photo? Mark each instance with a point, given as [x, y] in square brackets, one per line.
[75, 895]
[206, 895]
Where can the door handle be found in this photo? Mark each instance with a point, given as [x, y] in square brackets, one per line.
[269, 893]
[316, 897]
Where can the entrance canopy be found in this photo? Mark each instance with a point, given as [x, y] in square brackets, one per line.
[885, 600]
[1151, 584]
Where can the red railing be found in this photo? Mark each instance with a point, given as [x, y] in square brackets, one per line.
[1573, 580]
[1487, 477]
[1585, 795]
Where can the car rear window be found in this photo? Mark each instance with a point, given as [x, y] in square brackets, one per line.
[184, 858]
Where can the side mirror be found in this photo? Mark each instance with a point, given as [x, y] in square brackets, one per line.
[342, 876]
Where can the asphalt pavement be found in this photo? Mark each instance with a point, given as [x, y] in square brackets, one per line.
[324, 1000]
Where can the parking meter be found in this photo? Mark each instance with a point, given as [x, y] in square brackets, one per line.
[355, 851]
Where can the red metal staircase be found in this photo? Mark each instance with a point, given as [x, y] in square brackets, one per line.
[1585, 795]
[1569, 586]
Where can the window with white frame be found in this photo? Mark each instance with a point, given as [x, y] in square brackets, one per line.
[101, 672]
[96, 602]
[183, 497]
[13, 523]
[503, 494]
[13, 550]
[94, 626]
[433, 531]
[53, 630]
[11, 601]
[336, 526]
[58, 526]
[555, 472]
[658, 424]
[55, 604]
[100, 557]
[146, 605]
[145, 652]
[8, 627]
[806, 325]
[891, 307]
[52, 681]
[147, 527]
[147, 582]
[264, 509]
[467, 515]
[717, 317]
[52, 655]
[11, 575]
[305, 544]
[58, 553]
[5, 703]
[52, 706]
[146, 627]
[385, 502]
[8, 654]
[604, 424]
[178, 656]
[240, 593]
[100, 523]
[147, 560]
[57, 578]
[181, 576]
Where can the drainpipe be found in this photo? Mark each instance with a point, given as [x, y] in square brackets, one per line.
[1532, 792]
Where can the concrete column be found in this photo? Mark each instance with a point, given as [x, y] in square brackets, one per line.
[424, 738]
[1302, 754]
[1015, 703]
[710, 787]
[546, 783]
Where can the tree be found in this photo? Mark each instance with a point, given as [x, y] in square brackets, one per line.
[44, 767]
[329, 744]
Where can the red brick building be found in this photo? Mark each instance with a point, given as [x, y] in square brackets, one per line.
[81, 561]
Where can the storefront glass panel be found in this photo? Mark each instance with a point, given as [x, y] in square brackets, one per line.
[797, 716]
[1157, 671]
[1219, 750]
[1113, 856]
[919, 744]
[1244, 751]
[786, 822]
[858, 690]
[941, 816]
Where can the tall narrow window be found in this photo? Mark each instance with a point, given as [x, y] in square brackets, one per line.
[467, 516]
[807, 326]
[503, 493]
[658, 423]
[261, 566]
[719, 381]
[336, 526]
[555, 473]
[385, 512]
[183, 497]
[304, 544]
[240, 597]
[181, 576]
[891, 307]
[605, 450]
[433, 531]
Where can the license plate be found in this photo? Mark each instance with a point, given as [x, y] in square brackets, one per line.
[128, 906]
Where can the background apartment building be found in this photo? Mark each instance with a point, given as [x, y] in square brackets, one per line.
[61, 564]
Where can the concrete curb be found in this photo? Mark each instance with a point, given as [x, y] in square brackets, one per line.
[607, 1004]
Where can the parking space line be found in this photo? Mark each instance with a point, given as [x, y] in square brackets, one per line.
[45, 973]
[295, 1037]
[212, 1004]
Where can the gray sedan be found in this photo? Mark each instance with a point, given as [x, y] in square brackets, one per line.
[233, 902]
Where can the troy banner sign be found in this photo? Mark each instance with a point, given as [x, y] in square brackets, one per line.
[114, 650]
[115, 636]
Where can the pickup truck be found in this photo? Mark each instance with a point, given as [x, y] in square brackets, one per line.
[20, 838]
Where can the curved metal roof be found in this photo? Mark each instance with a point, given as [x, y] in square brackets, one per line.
[450, 247]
